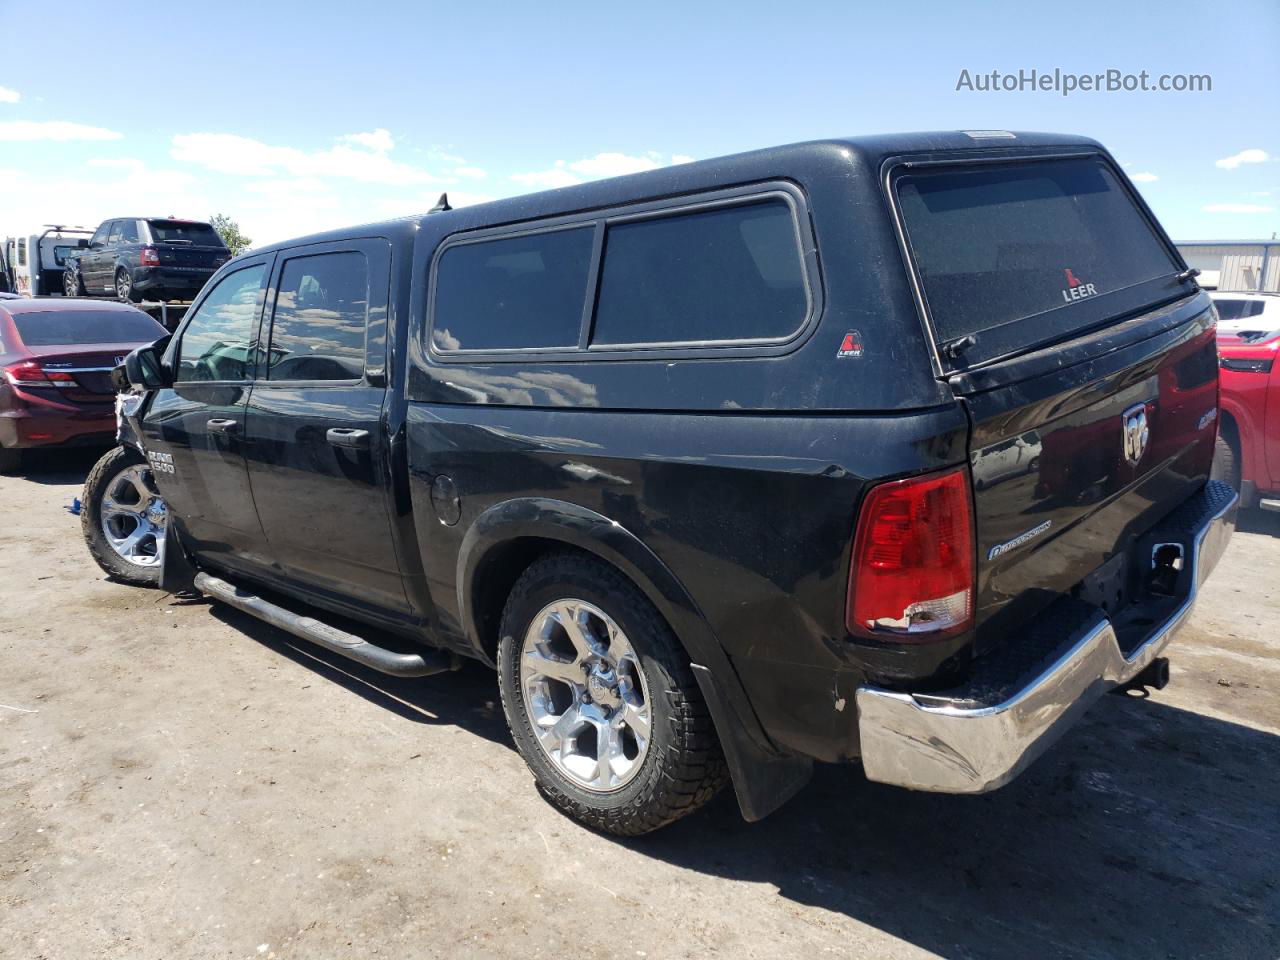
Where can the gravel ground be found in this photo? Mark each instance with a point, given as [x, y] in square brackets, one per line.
[178, 780]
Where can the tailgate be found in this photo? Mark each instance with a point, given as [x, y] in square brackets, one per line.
[1085, 356]
[1071, 465]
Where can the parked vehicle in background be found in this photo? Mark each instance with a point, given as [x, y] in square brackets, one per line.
[56, 358]
[1248, 452]
[36, 260]
[727, 468]
[138, 258]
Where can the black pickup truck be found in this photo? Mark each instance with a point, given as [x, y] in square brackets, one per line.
[893, 449]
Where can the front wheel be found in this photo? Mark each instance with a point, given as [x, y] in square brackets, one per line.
[72, 283]
[124, 519]
[1226, 465]
[601, 701]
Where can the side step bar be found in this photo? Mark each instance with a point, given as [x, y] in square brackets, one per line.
[345, 644]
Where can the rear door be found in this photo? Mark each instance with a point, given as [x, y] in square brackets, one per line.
[1088, 368]
[318, 453]
[194, 431]
[92, 269]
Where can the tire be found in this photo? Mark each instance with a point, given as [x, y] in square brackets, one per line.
[72, 283]
[679, 767]
[122, 480]
[124, 286]
[10, 460]
[1226, 464]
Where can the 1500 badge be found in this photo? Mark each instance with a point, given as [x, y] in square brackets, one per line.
[161, 462]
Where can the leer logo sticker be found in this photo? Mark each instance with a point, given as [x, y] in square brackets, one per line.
[851, 346]
[1076, 288]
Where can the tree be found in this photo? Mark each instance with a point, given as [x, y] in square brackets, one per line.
[230, 233]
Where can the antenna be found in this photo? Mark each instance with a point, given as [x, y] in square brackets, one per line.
[441, 205]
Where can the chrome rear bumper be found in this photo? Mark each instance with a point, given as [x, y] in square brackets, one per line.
[928, 742]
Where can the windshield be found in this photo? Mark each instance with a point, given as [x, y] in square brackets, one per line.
[997, 243]
[53, 329]
[179, 231]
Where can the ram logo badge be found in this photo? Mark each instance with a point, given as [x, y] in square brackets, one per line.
[1136, 433]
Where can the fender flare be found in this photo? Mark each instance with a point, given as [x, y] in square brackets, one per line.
[764, 777]
[1246, 433]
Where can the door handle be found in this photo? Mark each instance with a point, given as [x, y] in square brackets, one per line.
[348, 437]
[223, 426]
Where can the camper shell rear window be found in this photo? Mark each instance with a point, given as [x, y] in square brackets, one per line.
[1021, 253]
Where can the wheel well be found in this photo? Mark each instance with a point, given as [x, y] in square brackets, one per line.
[494, 578]
[1230, 431]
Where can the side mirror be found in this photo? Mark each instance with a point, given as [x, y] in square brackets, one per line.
[82, 243]
[142, 369]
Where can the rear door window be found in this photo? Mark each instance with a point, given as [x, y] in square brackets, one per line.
[128, 231]
[318, 326]
[1238, 309]
[1035, 247]
[728, 274]
[513, 292]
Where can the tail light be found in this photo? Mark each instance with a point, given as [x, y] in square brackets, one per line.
[29, 373]
[149, 257]
[913, 566]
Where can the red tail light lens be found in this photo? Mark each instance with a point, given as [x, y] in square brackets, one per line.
[149, 257]
[29, 373]
[912, 571]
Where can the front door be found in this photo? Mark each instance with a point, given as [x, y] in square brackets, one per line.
[91, 268]
[317, 451]
[194, 431]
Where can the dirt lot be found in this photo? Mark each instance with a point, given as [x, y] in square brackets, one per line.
[177, 780]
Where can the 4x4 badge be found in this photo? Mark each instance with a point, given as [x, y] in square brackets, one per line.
[851, 346]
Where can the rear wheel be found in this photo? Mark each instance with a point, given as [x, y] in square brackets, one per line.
[124, 519]
[72, 284]
[1226, 463]
[601, 700]
[124, 285]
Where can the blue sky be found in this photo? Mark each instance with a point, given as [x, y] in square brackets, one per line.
[293, 117]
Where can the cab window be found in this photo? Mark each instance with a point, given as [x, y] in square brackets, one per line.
[217, 341]
[318, 325]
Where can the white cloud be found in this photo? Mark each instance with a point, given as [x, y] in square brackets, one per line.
[614, 165]
[377, 140]
[601, 165]
[357, 156]
[1237, 208]
[8, 95]
[1143, 177]
[99, 191]
[57, 130]
[1253, 155]
[546, 179]
[473, 173]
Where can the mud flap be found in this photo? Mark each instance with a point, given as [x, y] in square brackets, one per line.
[763, 779]
[177, 572]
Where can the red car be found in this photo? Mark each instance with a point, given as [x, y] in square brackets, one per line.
[56, 358]
[1248, 455]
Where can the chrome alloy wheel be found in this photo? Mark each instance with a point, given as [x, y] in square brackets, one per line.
[586, 695]
[134, 517]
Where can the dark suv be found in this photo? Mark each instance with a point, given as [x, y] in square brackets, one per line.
[145, 259]
[893, 449]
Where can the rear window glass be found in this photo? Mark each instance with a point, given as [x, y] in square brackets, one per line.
[1238, 309]
[175, 231]
[999, 243]
[514, 292]
[731, 273]
[54, 329]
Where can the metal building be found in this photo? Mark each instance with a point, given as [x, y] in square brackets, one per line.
[1252, 265]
